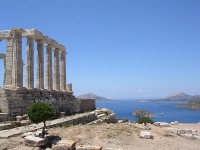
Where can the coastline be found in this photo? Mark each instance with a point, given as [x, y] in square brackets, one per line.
[170, 113]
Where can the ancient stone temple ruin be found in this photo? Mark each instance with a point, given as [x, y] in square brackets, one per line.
[15, 98]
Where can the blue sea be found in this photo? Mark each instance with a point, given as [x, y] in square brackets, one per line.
[124, 109]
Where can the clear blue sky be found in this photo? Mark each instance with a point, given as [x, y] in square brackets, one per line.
[120, 49]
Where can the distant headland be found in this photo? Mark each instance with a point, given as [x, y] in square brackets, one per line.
[93, 96]
[178, 96]
[193, 102]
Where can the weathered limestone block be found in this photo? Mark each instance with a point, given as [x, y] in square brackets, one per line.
[39, 132]
[101, 115]
[181, 131]
[173, 130]
[195, 132]
[6, 126]
[188, 135]
[162, 124]
[197, 136]
[63, 145]
[146, 135]
[33, 33]
[141, 126]
[88, 147]
[55, 44]
[5, 34]
[62, 48]
[62, 114]
[4, 116]
[24, 117]
[69, 87]
[190, 131]
[35, 141]
[27, 134]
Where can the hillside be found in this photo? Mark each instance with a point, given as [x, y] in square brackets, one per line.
[179, 96]
[193, 104]
[93, 96]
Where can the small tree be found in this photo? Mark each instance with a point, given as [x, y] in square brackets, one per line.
[144, 120]
[40, 112]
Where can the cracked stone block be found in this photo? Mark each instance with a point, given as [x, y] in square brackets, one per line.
[88, 147]
[35, 141]
[63, 145]
[146, 135]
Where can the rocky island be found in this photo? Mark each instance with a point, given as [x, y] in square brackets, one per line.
[144, 113]
[193, 104]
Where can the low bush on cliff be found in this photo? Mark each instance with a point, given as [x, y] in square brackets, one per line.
[144, 120]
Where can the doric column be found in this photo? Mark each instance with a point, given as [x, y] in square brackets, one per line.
[4, 75]
[40, 65]
[49, 78]
[63, 71]
[17, 67]
[9, 62]
[30, 63]
[56, 76]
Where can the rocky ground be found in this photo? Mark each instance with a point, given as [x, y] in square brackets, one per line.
[118, 136]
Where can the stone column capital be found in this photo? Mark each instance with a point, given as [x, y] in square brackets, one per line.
[55, 49]
[17, 30]
[48, 45]
[63, 52]
[29, 37]
[39, 41]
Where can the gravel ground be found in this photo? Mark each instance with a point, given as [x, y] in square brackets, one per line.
[120, 135]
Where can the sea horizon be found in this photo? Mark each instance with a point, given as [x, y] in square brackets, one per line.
[125, 108]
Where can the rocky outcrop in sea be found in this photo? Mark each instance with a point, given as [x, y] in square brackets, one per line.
[144, 113]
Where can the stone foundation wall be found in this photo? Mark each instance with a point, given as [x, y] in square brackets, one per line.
[15, 102]
[87, 105]
[4, 117]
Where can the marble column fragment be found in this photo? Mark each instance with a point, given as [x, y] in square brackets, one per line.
[40, 65]
[17, 67]
[30, 63]
[49, 78]
[63, 71]
[56, 77]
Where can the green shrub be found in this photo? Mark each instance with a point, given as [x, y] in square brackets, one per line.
[0, 111]
[40, 112]
[141, 120]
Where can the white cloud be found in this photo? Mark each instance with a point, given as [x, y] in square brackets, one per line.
[141, 91]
